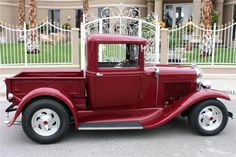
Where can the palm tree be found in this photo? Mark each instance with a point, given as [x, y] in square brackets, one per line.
[86, 10]
[33, 42]
[21, 13]
[206, 13]
[32, 14]
[207, 9]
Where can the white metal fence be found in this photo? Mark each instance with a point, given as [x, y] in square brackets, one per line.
[192, 44]
[46, 44]
[122, 20]
[51, 44]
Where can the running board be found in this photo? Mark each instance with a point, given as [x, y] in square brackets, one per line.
[110, 126]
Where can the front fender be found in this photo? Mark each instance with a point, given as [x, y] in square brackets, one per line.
[45, 92]
[179, 106]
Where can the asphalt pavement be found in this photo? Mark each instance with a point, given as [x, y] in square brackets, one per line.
[173, 139]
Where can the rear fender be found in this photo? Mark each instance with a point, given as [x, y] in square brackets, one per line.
[178, 107]
[45, 92]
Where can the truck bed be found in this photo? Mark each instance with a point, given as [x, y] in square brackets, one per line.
[69, 82]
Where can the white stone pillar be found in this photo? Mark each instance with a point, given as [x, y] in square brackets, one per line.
[159, 8]
[196, 11]
[75, 45]
[164, 46]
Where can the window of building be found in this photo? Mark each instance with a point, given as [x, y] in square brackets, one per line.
[54, 15]
[177, 14]
[103, 13]
[78, 17]
[118, 55]
[54, 18]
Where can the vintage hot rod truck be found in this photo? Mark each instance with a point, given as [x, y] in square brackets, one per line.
[123, 93]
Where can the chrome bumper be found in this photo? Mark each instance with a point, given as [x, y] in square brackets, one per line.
[8, 110]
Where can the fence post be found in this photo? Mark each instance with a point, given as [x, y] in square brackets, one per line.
[157, 40]
[82, 38]
[75, 46]
[25, 44]
[164, 46]
[213, 44]
[100, 32]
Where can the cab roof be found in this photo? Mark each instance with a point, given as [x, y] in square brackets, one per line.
[107, 38]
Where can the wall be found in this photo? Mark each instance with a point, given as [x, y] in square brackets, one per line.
[8, 8]
[8, 14]
[64, 17]
[228, 13]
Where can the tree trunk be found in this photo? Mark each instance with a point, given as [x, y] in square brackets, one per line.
[86, 10]
[33, 39]
[21, 13]
[207, 8]
[32, 14]
[206, 44]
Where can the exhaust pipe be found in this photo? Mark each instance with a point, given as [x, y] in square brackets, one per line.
[6, 122]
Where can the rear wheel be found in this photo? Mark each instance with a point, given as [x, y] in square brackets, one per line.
[45, 121]
[209, 117]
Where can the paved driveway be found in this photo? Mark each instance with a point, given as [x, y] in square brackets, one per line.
[173, 139]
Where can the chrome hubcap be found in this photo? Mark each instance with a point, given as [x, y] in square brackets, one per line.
[210, 118]
[45, 122]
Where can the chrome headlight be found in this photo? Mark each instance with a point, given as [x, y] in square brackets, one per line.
[199, 75]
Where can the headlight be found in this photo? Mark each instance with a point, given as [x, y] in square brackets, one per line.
[206, 84]
[10, 96]
[199, 75]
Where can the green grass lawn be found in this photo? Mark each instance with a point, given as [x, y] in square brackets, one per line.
[48, 54]
[221, 56]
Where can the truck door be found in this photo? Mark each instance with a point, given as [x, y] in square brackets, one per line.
[118, 77]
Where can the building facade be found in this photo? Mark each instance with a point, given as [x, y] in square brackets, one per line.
[173, 12]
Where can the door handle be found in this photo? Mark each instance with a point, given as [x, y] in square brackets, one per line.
[99, 74]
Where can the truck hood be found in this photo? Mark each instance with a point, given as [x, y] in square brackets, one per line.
[171, 69]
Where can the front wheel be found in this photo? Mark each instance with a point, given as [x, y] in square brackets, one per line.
[45, 121]
[209, 117]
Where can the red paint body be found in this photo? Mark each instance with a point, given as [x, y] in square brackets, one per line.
[120, 95]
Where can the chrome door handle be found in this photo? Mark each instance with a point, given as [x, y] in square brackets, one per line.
[99, 74]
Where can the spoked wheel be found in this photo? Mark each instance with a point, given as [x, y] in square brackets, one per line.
[208, 117]
[45, 121]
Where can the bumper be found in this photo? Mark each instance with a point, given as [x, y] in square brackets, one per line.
[8, 110]
[231, 115]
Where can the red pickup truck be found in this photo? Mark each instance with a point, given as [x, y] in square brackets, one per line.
[119, 92]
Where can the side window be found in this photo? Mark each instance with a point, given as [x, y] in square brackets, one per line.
[118, 55]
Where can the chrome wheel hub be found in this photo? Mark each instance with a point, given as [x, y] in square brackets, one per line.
[210, 118]
[45, 122]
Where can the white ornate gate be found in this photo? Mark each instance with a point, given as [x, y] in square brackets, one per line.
[122, 20]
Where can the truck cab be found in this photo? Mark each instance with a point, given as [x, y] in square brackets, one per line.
[114, 81]
[116, 90]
